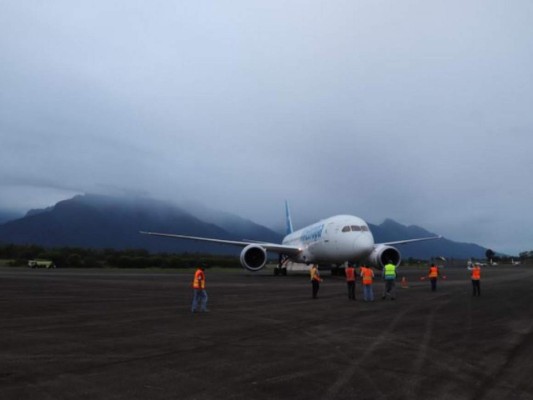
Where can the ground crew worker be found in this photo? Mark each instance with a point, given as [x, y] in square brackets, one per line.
[350, 280]
[389, 274]
[367, 276]
[315, 280]
[476, 277]
[433, 275]
[199, 292]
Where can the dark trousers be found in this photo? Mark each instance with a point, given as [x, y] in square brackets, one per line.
[433, 284]
[316, 286]
[476, 287]
[389, 289]
[351, 289]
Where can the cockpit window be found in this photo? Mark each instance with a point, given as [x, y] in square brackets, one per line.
[356, 228]
[364, 228]
[346, 229]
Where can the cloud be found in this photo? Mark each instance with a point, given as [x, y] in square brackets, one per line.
[412, 110]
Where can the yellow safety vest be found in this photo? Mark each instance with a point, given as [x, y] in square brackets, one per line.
[390, 271]
[315, 276]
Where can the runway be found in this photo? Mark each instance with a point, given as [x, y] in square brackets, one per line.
[98, 334]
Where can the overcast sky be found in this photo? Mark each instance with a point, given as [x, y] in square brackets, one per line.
[421, 111]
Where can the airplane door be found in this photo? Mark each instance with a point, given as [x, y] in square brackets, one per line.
[330, 238]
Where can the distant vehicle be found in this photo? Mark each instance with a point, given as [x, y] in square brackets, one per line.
[41, 264]
[479, 264]
[334, 240]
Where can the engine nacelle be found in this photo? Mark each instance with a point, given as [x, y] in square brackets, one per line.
[253, 257]
[382, 254]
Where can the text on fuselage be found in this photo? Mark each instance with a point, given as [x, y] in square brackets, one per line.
[312, 234]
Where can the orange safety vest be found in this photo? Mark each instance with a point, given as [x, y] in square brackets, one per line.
[367, 275]
[199, 280]
[433, 272]
[476, 274]
[350, 274]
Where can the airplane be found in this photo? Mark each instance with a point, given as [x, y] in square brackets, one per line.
[333, 240]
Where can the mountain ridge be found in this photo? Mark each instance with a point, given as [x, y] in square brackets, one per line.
[97, 221]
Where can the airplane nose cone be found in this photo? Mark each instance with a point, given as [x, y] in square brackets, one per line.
[363, 245]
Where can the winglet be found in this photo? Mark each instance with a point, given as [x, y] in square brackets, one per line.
[288, 218]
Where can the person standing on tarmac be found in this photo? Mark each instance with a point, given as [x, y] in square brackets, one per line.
[367, 275]
[389, 274]
[476, 278]
[315, 280]
[433, 274]
[199, 292]
[350, 280]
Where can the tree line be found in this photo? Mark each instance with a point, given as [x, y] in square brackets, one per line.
[75, 257]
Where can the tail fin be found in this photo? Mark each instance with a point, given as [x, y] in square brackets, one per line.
[288, 218]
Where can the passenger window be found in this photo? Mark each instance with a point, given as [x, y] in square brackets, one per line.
[356, 228]
[346, 229]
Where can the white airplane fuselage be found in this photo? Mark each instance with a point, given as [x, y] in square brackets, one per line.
[333, 240]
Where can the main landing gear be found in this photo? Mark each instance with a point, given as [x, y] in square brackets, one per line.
[281, 268]
[337, 270]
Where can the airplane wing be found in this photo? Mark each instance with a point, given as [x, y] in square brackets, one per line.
[410, 241]
[276, 248]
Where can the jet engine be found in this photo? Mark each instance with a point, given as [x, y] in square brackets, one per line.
[382, 254]
[253, 257]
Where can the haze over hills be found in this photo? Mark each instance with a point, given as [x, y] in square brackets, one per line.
[6, 216]
[97, 221]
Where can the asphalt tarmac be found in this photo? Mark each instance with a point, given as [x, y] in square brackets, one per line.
[82, 334]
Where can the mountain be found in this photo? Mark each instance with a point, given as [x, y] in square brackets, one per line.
[107, 222]
[391, 230]
[97, 221]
